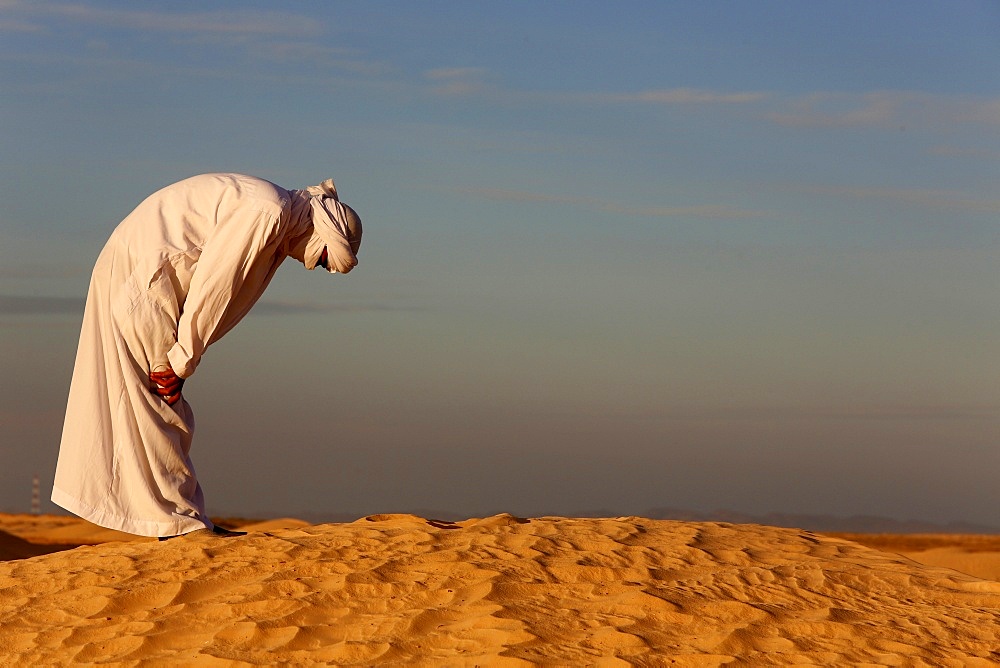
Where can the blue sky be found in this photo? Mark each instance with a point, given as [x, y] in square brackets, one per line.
[617, 257]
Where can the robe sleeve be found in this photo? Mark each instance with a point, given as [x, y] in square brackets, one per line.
[227, 259]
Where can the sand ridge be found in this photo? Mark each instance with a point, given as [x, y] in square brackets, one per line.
[402, 590]
[977, 555]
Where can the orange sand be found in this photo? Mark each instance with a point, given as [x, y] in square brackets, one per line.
[970, 554]
[401, 590]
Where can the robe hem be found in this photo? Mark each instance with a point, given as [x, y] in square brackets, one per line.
[103, 518]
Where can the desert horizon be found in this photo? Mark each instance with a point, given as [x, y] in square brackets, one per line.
[501, 590]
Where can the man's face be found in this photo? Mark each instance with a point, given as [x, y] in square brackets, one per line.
[353, 229]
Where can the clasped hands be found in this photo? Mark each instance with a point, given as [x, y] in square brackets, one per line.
[168, 385]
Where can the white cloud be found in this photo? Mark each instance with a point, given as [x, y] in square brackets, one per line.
[949, 151]
[979, 111]
[885, 109]
[720, 211]
[13, 25]
[920, 197]
[690, 96]
[457, 80]
[834, 110]
[283, 38]
[469, 80]
[452, 73]
[240, 21]
[881, 109]
[314, 53]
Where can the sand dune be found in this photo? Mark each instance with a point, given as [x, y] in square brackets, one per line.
[24, 536]
[401, 590]
[59, 530]
[977, 555]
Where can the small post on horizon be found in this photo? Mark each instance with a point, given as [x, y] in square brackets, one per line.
[36, 498]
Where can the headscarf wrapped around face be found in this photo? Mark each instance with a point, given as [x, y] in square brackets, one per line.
[337, 228]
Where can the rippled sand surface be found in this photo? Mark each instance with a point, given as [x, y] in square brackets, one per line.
[403, 590]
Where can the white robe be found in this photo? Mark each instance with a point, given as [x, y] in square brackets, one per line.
[177, 274]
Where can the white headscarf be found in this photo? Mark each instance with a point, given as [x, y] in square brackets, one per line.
[335, 226]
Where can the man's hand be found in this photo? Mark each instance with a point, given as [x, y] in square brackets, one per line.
[168, 385]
